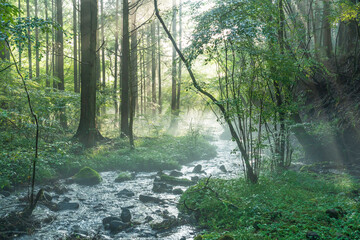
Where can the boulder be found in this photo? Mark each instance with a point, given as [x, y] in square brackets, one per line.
[47, 196]
[166, 224]
[87, 176]
[125, 215]
[107, 220]
[118, 226]
[223, 168]
[175, 181]
[63, 206]
[124, 176]
[176, 174]
[5, 193]
[195, 178]
[148, 199]
[197, 169]
[160, 187]
[125, 193]
[177, 191]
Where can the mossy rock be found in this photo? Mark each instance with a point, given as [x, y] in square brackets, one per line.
[124, 176]
[87, 176]
[175, 181]
[226, 237]
[198, 237]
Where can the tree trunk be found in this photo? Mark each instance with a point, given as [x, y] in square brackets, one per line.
[180, 63]
[103, 48]
[87, 131]
[116, 60]
[159, 67]
[29, 42]
[75, 47]
[153, 69]
[47, 48]
[174, 112]
[125, 131]
[327, 41]
[37, 62]
[20, 45]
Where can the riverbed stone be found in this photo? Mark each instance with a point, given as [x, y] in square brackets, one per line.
[47, 196]
[175, 181]
[124, 176]
[197, 169]
[159, 187]
[125, 193]
[150, 199]
[118, 226]
[176, 174]
[166, 224]
[107, 220]
[5, 193]
[177, 191]
[195, 178]
[87, 176]
[223, 168]
[125, 215]
[63, 206]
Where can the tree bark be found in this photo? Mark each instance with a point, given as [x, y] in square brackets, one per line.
[173, 71]
[87, 131]
[159, 68]
[29, 42]
[47, 48]
[153, 69]
[37, 62]
[125, 131]
[75, 47]
[116, 60]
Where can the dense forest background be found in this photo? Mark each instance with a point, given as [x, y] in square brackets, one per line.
[103, 76]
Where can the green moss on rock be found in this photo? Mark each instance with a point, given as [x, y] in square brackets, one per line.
[124, 176]
[87, 176]
[175, 181]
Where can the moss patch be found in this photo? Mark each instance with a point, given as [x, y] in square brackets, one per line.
[175, 181]
[87, 176]
[124, 176]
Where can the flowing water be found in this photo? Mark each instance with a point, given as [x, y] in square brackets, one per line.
[100, 201]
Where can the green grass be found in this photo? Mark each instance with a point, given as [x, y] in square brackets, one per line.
[286, 206]
[65, 158]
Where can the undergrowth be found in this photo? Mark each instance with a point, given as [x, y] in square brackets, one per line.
[65, 158]
[286, 206]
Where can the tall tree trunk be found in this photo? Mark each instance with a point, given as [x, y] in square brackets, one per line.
[37, 62]
[75, 47]
[116, 60]
[79, 51]
[133, 76]
[103, 48]
[59, 65]
[153, 68]
[20, 44]
[147, 79]
[47, 48]
[159, 67]
[53, 46]
[174, 66]
[125, 131]
[327, 41]
[29, 42]
[87, 132]
[180, 63]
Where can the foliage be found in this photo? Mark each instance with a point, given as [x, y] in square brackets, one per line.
[63, 158]
[284, 206]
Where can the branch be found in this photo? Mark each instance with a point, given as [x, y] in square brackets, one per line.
[2, 70]
[32, 204]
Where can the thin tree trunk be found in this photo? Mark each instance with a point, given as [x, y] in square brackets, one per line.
[75, 47]
[116, 60]
[180, 63]
[153, 68]
[159, 67]
[103, 48]
[125, 131]
[327, 41]
[47, 48]
[20, 44]
[173, 72]
[29, 42]
[37, 62]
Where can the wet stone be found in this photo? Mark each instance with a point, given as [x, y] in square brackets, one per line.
[148, 219]
[148, 199]
[63, 206]
[47, 197]
[125, 193]
[195, 178]
[5, 193]
[223, 168]
[118, 226]
[107, 220]
[176, 174]
[178, 191]
[160, 187]
[197, 169]
[125, 215]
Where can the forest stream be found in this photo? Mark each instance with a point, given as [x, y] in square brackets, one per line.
[93, 204]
